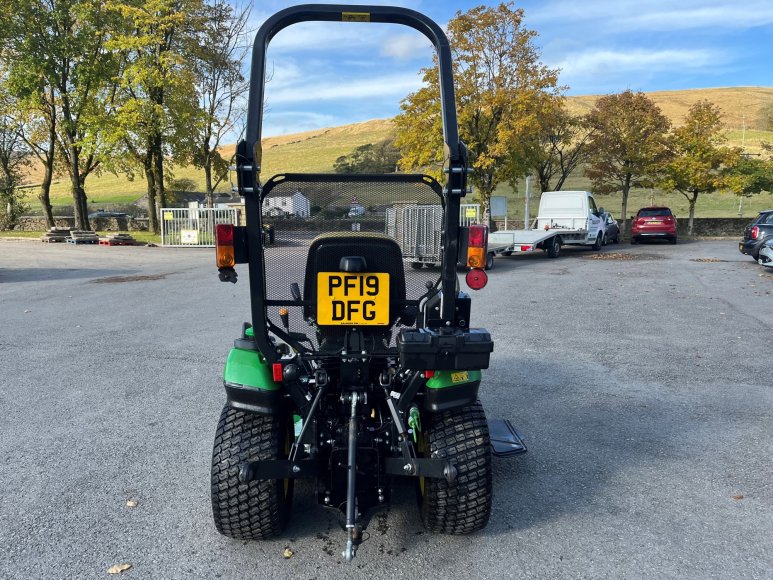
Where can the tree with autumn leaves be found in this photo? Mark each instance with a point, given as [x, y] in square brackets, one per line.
[699, 161]
[628, 144]
[127, 86]
[501, 85]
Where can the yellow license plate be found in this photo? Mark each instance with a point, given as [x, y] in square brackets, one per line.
[345, 299]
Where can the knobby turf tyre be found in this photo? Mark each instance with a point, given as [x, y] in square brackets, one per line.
[461, 436]
[257, 510]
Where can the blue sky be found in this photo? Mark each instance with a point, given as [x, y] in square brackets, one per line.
[327, 74]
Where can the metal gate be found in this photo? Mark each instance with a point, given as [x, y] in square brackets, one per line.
[193, 227]
[417, 228]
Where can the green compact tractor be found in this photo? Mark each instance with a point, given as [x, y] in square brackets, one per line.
[355, 370]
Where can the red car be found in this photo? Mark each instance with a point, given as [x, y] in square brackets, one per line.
[653, 222]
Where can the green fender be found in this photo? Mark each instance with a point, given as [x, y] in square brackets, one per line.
[247, 368]
[445, 379]
[448, 390]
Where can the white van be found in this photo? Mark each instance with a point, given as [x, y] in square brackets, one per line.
[564, 217]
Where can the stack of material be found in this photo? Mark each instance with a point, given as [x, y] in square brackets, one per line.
[118, 240]
[56, 235]
[83, 237]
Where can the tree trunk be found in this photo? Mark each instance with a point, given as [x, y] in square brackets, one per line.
[45, 197]
[45, 187]
[692, 201]
[152, 215]
[624, 207]
[208, 182]
[78, 194]
[158, 173]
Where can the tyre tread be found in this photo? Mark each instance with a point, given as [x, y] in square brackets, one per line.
[464, 506]
[246, 511]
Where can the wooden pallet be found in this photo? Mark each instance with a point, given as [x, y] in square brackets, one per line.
[82, 241]
[117, 242]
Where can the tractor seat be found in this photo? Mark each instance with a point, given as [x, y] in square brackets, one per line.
[368, 253]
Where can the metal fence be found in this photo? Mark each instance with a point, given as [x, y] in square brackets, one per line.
[193, 227]
[417, 228]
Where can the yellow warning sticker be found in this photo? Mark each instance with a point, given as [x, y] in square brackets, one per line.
[460, 377]
[168, 215]
[355, 16]
[470, 212]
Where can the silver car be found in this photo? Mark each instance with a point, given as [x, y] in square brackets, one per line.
[766, 254]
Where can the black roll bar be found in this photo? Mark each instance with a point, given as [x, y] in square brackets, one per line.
[249, 152]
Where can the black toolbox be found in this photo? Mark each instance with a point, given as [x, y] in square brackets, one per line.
[428, 349]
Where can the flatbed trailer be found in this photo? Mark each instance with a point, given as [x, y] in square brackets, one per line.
[565, 218]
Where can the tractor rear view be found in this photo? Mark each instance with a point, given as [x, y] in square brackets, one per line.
[354, 370]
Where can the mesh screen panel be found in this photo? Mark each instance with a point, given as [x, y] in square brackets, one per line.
[302, 207]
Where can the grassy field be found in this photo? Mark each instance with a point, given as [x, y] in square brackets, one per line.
[315, 151]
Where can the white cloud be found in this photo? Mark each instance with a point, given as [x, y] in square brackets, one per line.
[622, 63]
[407, 46]
[289, 122]
[396, 85]
[655, 15]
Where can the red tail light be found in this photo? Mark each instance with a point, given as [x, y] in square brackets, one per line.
[429, 374]
[755, 232]
[224, 245]
[276, 371]
[477, 235]
[477, 240]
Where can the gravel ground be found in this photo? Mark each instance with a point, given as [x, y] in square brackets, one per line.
[641, 380]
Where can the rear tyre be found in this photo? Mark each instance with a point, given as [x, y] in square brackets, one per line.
[597, 244]
[554, 247]
[489, 261]
[257, 510]
[634, 240]
[672, 241]
[416, 265]
[464, 506]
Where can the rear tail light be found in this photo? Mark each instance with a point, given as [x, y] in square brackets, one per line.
[224, 245]
[476, 278]
[527, 248]
[477, 240]
[755, 232]
[276, 371]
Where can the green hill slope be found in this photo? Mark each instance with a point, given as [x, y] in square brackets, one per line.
[745, 112]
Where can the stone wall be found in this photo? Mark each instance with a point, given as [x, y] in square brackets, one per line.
[38, 223]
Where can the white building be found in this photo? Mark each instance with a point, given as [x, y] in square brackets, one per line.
[297, 205]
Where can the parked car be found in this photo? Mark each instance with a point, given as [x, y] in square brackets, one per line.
[653, 222]
[766, 253]
[611, 230]
[756, 234]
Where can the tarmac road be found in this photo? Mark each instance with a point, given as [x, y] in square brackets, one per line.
[641, 381]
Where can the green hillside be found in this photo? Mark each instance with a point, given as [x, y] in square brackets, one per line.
[745, 111]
